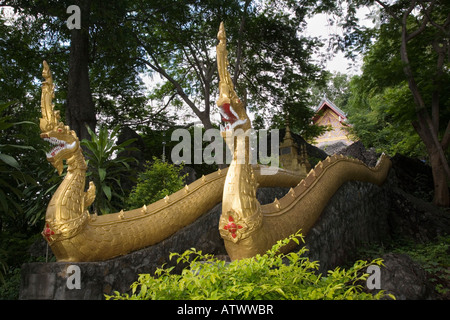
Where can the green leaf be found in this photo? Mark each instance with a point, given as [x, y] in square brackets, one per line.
[24, 122]
[17, 146]
[102, 174]
[9, 161]
[107, 191]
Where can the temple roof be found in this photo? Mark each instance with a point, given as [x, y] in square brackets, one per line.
[326, 102]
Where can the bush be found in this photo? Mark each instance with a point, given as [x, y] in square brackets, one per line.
[272, 276]
[433, 256]
[10, 288]
[107, 167]
[158, 180]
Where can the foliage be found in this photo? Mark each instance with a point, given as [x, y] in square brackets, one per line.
[270, 60]
[16, 184]
[433, 256]
[278, 67]
[155, 182]
[3, 265]
[11, 175]
[435, 260]
[14, 248]
[336, 89]
[134, 40]
[406, 61]
[271, 276]
[19, 59]
[9, 289]
[38, 31]
[381, 106]
[378, 121]
[106, 168]
[13, 251]
[30, 181]
[154, 141]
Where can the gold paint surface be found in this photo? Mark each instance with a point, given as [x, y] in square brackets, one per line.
[247, 227]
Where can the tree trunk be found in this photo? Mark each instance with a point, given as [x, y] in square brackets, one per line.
[206, 121]
[425, 126]
[80, 111]
[441, 190]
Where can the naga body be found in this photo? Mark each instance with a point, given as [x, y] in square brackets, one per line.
[74, 234]
[248, 228]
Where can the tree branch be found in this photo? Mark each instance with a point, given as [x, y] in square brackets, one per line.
[427, 129]
[437, 85]
[388, 10]
[174, 82]
[427, 14]
[445, 143]
[426, 19]
[239, 46]
[196, 65]
[157, 67]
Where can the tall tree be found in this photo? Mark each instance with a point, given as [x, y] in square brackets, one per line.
[80, 111]
[269, 59]
[52, 16]
[419, 44]
[278, 69]
[90, 64]
[378, 117]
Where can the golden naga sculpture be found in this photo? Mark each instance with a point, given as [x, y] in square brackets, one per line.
[249, 228]
[76, 235]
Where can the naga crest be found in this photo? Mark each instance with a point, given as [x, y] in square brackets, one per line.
[230, 106]
[64, 142]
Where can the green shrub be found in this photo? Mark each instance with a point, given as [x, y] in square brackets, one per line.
[433, 256]
[107, 167]
[155, 182]
[9, 289]
[267, 277]
[435, 259]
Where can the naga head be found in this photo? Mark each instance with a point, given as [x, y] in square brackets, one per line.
[64, 142]
[230, 106]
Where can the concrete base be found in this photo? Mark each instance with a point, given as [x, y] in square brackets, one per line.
[92, 280]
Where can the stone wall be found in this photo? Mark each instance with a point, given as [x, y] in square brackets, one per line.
[355, 216]
[358, 214]
[49, 280]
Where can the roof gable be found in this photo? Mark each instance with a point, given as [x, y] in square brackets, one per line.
[327, 103]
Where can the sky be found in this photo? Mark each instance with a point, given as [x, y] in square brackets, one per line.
[319, 27]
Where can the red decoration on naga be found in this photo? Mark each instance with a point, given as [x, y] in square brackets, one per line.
[48, 232]
[232, 227]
